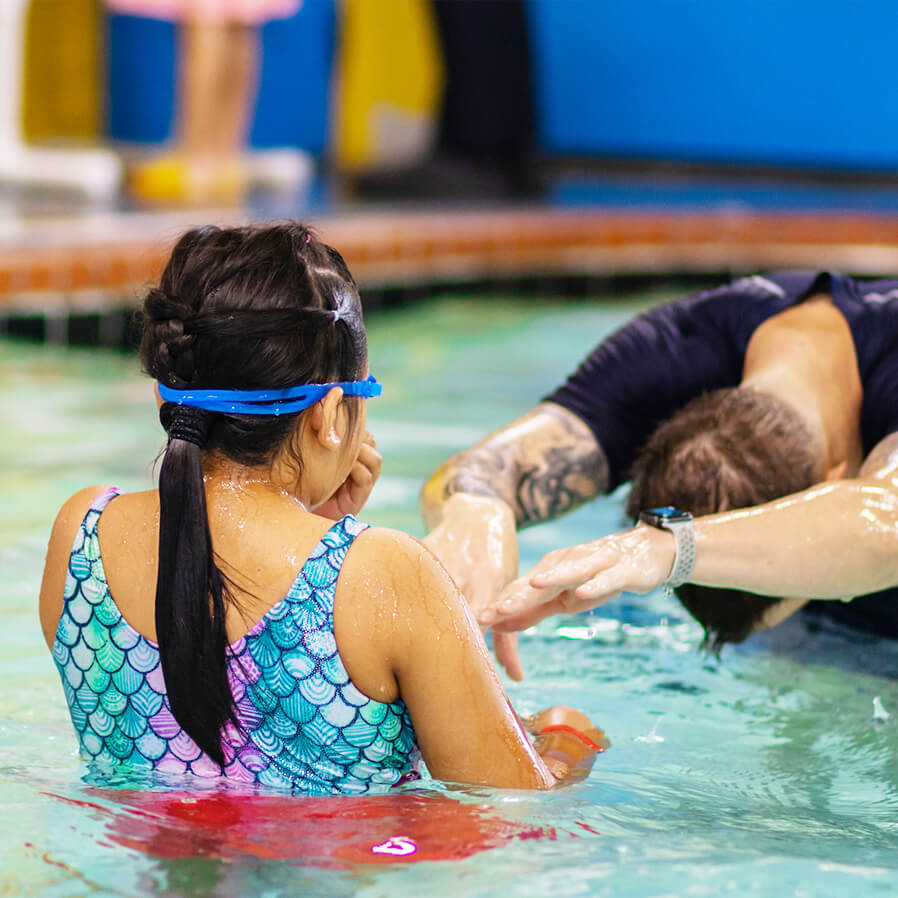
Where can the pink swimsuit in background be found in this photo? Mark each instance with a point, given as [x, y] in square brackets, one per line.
[244, 12]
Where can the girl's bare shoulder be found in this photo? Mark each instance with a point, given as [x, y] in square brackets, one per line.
[73, 511]
[394, 562]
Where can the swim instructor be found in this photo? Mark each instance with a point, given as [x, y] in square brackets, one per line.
[758, 425]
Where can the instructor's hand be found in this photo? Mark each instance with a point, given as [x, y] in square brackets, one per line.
[568, 581]
[476, 541]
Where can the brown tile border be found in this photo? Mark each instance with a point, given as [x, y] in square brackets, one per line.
[412, 248]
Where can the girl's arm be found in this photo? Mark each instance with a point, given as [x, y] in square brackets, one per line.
[404, 631]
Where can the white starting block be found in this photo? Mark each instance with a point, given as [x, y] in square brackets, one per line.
[95, 173]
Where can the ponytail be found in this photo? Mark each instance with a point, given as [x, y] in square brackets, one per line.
[190, 590]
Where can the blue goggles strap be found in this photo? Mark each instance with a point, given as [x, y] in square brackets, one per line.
[267, 402]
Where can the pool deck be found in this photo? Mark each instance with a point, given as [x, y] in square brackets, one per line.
[91, 260]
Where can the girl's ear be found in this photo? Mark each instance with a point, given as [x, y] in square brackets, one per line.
[322, 419]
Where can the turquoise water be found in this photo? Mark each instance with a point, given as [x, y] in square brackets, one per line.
[762, 774]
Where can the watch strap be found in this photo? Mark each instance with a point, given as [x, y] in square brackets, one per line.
[684, 561]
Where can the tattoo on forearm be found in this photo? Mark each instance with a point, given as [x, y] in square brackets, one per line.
[565, 478]
[478, 472]
[543, 467]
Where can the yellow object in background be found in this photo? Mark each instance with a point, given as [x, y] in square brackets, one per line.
[63, 87]
[389, 81]
[177, 180]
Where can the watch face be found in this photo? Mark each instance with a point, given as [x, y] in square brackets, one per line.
[666, 514]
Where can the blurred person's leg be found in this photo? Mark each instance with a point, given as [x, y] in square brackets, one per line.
[488, 110]
[218, 83]
[219, 50]
[485, 146]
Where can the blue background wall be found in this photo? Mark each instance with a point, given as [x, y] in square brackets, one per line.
[798, 82]
[790, 82]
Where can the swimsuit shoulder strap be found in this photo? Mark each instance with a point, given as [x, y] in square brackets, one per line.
[320, 571]
[86, 590]
[103, 499]
[88, 527]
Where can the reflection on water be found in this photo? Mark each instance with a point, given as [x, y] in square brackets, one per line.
[765, 773]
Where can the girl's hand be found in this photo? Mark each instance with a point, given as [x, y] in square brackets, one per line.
[567, 741]
[582, 577]
[562, 715]
[353, 493]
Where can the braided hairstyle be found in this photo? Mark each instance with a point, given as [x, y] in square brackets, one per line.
[241, 309]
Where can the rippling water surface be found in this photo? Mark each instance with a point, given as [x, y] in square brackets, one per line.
[766, 773]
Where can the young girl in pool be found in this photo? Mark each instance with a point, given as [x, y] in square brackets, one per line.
[239, 621]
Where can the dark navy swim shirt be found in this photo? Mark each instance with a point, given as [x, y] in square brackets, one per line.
[656, 363]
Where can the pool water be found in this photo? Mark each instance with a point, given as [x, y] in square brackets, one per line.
[765, 773]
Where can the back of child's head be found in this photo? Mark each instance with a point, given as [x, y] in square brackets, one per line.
[252, 308]
[255, 308]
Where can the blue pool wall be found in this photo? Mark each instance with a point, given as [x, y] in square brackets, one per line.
[769, 83]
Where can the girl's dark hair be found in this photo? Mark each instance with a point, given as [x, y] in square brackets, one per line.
[236, 308]
[730, 448]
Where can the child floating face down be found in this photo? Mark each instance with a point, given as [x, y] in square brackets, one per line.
[239, 621]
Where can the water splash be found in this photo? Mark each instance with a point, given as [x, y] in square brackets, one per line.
[651, 736]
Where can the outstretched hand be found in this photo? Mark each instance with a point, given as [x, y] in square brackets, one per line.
[353, 493]
[579, 578]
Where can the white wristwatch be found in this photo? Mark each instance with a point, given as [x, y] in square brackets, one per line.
[679, 523]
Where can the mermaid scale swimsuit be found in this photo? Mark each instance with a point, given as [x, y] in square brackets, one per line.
[303, 724]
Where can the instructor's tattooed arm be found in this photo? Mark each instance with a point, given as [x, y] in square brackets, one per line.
[543, 465]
